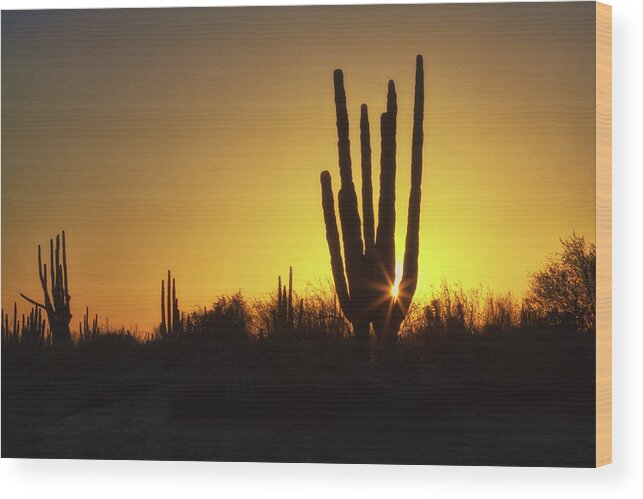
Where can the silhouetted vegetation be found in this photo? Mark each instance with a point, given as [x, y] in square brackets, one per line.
[56, 305]
[29, 330]
[228, 318]
[477, 377]
[171, 318]
[88, 332]
[457, 312]
[281, 313]
[364, 286]
[564, 292]
[560, 299]
[219, 392]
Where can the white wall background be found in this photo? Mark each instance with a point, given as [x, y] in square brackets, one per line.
[111, 479]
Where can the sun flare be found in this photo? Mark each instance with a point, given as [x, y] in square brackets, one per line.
[395, 288]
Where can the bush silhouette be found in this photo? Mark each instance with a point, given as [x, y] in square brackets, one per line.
[564, 292]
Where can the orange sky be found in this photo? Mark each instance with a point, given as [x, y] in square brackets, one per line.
[192, 139]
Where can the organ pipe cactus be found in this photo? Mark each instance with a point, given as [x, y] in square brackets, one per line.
[56, 305]
[11, 331]
[33, 328]
[30, 330]
[171, 319]
[88, 331]
[283, 316]
[364, 284]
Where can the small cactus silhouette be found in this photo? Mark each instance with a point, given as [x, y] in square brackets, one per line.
[88, 332]
[57, 305]
[30, 330]
[364, 285]
[283, 316]
[171, 318]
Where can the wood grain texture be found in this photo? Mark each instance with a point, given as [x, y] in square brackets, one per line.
[603, 234]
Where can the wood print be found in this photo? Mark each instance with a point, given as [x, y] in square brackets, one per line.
[334, 234]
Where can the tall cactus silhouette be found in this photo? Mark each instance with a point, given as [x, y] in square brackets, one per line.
[364, 285]
[56, 305]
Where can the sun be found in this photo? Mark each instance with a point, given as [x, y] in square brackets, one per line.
[395, 288]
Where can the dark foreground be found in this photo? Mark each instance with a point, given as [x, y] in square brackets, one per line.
[523, 400]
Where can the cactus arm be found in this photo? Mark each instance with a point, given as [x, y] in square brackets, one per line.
[65, 283]
[367, 186]
[279, 295]
[58, 298]
[343, 142]
[169, 302]
[51, 270]
[332, 237]
[290, 308]
[163, 326]
[347, 198]
[174, 317]
[408, 284]
[33, 302]
[42, 273]
[284, 309]
[386, 213]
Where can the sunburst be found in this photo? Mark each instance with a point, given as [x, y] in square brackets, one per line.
[395, 288]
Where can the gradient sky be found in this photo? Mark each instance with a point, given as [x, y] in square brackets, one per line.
[192, 139]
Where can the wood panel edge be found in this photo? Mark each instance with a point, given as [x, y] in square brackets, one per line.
[603, 234]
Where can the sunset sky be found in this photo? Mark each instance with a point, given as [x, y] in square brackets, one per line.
[193, 139]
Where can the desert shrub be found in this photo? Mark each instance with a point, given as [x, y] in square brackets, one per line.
[316, 310]
[120, 336]
[455, 311]
[451, 310]
[564, 292]
[229, 317]
[321, 312]
[500, 314]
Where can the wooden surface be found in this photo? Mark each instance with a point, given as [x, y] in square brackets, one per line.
[603, 234]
